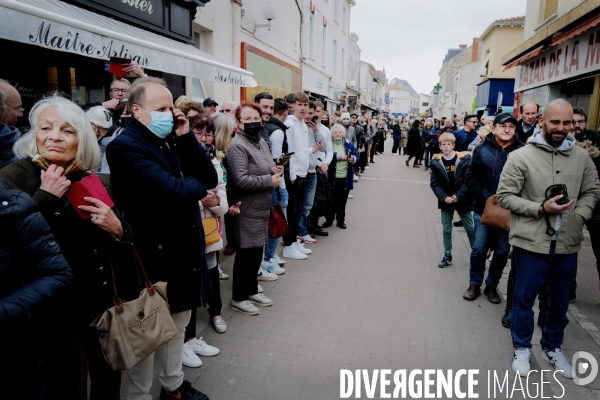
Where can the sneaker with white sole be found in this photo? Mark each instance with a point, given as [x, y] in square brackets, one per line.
[350, 196]
[520, 363]
[306, 239]
[219, 324]
[559, 362]
[367, 167]
[189, 358]
[260, 300]
[244, 307]
[301, 249]
[291, 252]
[278, 260]
[222, 275]
[273, 267]
[265, 275]
[201, 348]
[260, 289]
[355, 179]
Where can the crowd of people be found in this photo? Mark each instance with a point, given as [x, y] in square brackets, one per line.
[542, 171]
[181, 180]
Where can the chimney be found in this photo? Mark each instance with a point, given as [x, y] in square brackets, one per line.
[462, 46]
[475, 50]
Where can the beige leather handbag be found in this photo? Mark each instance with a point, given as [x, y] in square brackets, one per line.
[130, 332]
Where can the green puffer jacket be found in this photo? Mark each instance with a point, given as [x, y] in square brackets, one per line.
[527, 174]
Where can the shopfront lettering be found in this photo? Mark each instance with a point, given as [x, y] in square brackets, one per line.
[121, 51]
[574, 57]
[230, 78]
[592, 56]
[143, 5]
[68, 41]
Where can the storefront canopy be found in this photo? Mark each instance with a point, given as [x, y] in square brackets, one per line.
[59, 26]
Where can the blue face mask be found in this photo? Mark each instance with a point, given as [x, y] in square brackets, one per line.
[162, 123]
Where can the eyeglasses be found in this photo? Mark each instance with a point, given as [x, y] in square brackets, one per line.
[250, 119]
[503, 127]
[19, 109]
[116, 90]
[579, 122]
[226, 111]
[204, 134]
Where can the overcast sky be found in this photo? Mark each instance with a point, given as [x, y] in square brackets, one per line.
[410, 38]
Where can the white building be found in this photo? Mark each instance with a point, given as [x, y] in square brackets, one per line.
[368, 88]
[353, 75]
[411, 103]
[304, 47]
[425, 106]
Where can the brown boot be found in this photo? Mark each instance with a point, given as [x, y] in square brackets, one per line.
[492, 294]
[472, 292]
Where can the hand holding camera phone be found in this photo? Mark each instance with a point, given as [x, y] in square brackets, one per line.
[286, 157]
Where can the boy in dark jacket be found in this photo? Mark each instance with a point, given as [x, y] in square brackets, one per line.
[448, 183]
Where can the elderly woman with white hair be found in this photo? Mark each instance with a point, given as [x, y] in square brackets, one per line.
[59, 150]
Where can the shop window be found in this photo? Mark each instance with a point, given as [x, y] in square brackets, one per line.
[198, 92]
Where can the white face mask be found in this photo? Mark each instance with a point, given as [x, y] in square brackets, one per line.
[345, 122]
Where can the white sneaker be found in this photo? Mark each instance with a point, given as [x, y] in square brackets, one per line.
[219, 324]
[367, 167]
[291, 252]
[244, 307]
[355, 179]
[350, 196]
[559, 362]
[260, 289]
[520, 363]
[301, 249]
[265, 275]
[307, 239]
[189, 358]
[260, 300]
[278, 260]
[200, 347]
[273, 267]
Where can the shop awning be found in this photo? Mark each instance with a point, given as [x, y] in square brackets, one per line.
[526, 57]
[59, 26]
[576, 30]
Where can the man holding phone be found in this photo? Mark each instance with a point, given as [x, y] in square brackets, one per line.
[159, 173]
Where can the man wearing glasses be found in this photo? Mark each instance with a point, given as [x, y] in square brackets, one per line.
[465, 136]
[10, 111]
[580, 130]
[228, 108]
[483, 175]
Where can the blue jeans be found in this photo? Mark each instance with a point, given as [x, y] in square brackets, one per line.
[272, 243]
[534, 270]
[310, 186]
[486, 238]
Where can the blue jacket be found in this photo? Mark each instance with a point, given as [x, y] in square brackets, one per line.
[157, 184]
[36, 283]
[8, 137]
[350, 150]
[397, 134]
[485, 168]
[463, 139]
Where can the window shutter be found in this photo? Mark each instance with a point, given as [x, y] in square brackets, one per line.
[551, 8]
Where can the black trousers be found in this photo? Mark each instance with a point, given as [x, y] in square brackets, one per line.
[245, 269]
[363, 161]
[340, 198]
[373, 149]
[380, 145]
[396, 145]
[296, 196]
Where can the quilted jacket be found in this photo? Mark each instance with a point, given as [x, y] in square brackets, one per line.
[248, 163]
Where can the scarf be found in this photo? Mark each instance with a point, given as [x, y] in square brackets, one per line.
[210, 150]
[44, 164]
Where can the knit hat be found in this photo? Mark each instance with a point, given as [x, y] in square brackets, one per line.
[100, 116]
[345, 116]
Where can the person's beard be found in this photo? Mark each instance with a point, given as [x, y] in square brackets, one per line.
[550, 139]
[577, 132]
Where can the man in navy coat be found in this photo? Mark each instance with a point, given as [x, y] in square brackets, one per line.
[159, 173]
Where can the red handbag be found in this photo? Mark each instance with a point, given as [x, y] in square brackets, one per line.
[278, 225]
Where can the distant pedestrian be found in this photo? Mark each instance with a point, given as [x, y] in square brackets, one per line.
[415, 147]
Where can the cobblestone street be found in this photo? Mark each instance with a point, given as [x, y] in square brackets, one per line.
[372, 297]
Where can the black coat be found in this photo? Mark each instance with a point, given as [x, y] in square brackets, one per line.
[157, 184]
[414, 146]
[440, 183]
[35, 292]
[522, 134]
[486, 166]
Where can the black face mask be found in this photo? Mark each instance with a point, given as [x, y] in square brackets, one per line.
[252, 128]
[124, 121]
[325, 122]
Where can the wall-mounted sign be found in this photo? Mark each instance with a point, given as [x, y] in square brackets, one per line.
[147, 10]
[576, 56]
[319, 83]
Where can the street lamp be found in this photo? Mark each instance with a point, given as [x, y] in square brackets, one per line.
[269, 12]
